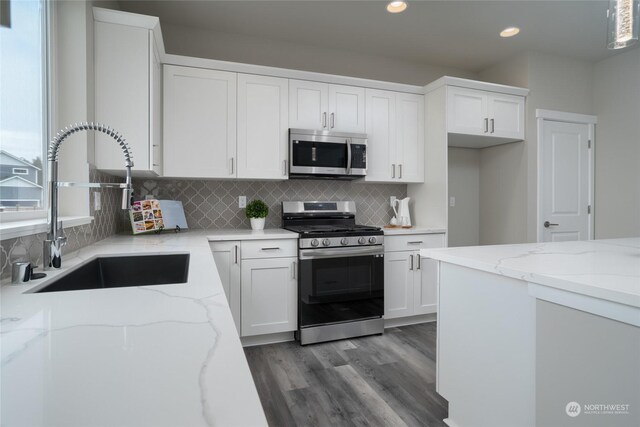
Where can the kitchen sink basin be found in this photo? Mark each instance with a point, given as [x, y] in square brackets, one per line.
[123, 271]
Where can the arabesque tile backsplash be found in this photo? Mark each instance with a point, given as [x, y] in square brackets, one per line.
[214, 204]
[209, 205]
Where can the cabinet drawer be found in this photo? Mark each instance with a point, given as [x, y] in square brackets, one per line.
[410, 242]
[269, 248]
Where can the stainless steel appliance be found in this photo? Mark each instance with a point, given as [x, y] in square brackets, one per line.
[341, 273]
[324, 154]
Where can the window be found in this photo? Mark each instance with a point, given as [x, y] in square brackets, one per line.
[24, 112]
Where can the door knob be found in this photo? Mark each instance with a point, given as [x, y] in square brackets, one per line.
[547, 224]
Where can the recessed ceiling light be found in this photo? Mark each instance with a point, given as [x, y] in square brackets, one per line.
[396, 6]
[509, 32]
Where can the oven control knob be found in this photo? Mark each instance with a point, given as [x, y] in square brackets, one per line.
[344, 241]
[314, 242]
[326, 242]
[372, 240]
[362, 240]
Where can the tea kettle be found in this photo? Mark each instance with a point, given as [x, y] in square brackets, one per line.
[402, 212]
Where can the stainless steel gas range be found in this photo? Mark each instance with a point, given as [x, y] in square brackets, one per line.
[341, 274]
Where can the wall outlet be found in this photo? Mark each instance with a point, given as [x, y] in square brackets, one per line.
[242, 201]
[149, 197]
[452, 201]
[392, 199]
[97, 201]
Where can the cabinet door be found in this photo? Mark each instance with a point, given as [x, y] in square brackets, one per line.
[467, 111]
[308, 105]
[262, 126]
[381, 135]
[425, 286]
[269, 296]
[155, 122]
[227, 259]
[199, 123]
[122, 94]
[346, 108]
[398, 284]
[506, 116]
[410, 137]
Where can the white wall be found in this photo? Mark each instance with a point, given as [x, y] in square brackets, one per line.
[464, 185]
[181, 40]
[616, 101]
[555, 83]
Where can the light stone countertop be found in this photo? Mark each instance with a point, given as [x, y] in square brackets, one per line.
[166, 355]
[249, 234]
[603, 269]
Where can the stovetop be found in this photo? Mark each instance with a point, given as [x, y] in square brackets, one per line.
[332, 228]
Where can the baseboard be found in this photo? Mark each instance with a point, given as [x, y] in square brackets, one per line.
[410, 320]
[266, 339]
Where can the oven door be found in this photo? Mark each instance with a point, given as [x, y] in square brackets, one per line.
[340, 285]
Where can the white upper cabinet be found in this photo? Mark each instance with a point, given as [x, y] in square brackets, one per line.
[346, 109]
[484, 113]
[199, 123]
[381, 135]
[127, 94]
[467, 111]
[506, 115]
[410, 137]
[395, 132]
[308, 104]
[262, 127]
[321, 106]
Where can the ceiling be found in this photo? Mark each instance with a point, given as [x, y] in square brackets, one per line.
[462, 34]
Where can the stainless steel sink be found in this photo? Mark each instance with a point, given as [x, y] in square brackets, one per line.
[123, 271]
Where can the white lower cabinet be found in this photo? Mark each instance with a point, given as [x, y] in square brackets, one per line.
[260, 281]
[269, 296]
[410, 282]
[227, 258]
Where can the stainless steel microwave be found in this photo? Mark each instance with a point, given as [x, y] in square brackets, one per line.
[324, 154]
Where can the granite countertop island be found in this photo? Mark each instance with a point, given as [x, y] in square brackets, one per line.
[166, 355]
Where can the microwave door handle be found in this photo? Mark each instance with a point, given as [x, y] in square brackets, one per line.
[348, 157]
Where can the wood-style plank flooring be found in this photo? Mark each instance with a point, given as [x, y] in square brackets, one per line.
[386, 380]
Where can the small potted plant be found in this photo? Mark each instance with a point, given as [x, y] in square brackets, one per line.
[257, 211]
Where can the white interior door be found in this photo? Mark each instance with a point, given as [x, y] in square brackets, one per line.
[566, 182]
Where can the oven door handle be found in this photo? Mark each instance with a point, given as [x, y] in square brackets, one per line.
[305, 254]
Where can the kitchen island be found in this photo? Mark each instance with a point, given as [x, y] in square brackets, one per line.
[166, 355]
[540, 334]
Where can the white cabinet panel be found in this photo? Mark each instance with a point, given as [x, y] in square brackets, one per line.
[467, 111]
[227, 259]
[425, 298]
[122, 94]
[381, 134]
[398, 284]
[506, 116]
[269, 296]
[346, 108]
[262, 127]
[155, 126]
[395, 130]
[491, 114]
[410, 137]
[410, 282]
[308, 104]
[279, 248]
[199, 123]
